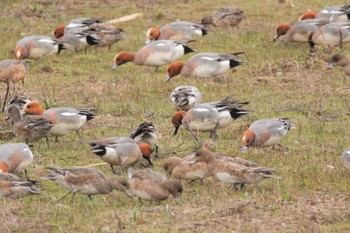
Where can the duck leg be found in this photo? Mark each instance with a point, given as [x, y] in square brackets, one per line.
[64, 196]
[6, 95]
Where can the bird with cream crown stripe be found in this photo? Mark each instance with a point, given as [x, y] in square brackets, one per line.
[210, 116]
[204, 65]
[35, 47]
[155, 54]
[179, 30]
[65, 120]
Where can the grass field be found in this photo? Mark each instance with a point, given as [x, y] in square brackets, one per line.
[280, 80]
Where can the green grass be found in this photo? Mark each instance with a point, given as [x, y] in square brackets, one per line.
[281, 80]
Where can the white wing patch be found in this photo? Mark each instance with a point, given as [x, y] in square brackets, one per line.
[202, 110]
[69, 114]
[74, 25]
[47, 41]
[208, 58]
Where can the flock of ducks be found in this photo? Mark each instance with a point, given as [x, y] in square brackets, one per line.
[30, 122]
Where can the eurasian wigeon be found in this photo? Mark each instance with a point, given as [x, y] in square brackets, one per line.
[35, 47]
[121, 151]
[106, 34]
[335, 13]
[65, 120]
[76, 40]
[266, 132]
[228, 16]
[340, 60]
[185, 97]
[182, 169]
[204, 65]
[144, 187]
[15, 157]
[155, 54]
[345, 157]
[230, 172]
[331, 34]
[11, 186]
[210, 116]
[12, 71]
[179, 30]
[30, 128]
[308, 15]
[146, 133]
[87, 181]
[300, 31]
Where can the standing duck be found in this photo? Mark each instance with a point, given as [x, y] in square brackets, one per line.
[35, 47]
[155, 54]
[121, 151]
[85, 180]
[179, 30]
[204, 65]
[266, 132]
[210, 116]
[65, 120]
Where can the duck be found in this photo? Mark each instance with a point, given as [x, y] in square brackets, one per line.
[266, 132]
[121, 151]
[210, 116]
[12, 71]
[331, 34]
[230, 172]
[14, 187]
[182, 169]
[345, 157]
[155, 54]
[65, 119]
[185, 97]
[146, 133]
[204, 65]
[178, 30]
[37, 46]
[300, 31]
[30, 128]
[15, 157]
[335, 13]
[86, 180]
[340, 60]
[152, 186]
[106, 34]
[228, 16]
[308, 15]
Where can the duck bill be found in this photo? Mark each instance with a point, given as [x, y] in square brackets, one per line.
[330, 66]
[167, 79]
[275, 37]
[176, 128]
[149, 161]
[148, 41]
[193, 161]
[128, 193]
[115, 66]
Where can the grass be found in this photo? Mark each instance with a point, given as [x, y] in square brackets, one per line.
[281, 80]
